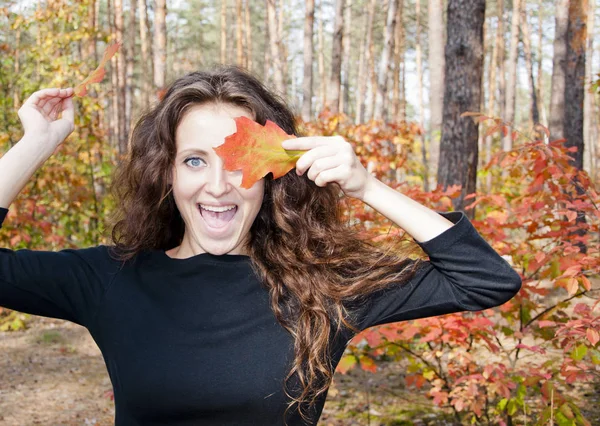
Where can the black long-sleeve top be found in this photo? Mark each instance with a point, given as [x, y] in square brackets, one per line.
[195, 342]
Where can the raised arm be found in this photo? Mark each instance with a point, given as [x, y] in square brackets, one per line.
[44, 132]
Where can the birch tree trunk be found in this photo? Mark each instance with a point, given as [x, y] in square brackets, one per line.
[492, 97]
[239, 59]
[420, 96]
[501, 61]
[307, 83]
[588, 107]
[557, 91]
[346, 41]
[281, 45]
[223, 31]
[248, 33]
[398, 62]
[147, 66]
[121, 76]
[540, 74]
[274, 48]
[333, 93]
[321, 63]
[364, 65]
[534, 113]
[464, 69]
[131, 54]
[160, 46]
[384, 64]
[436, 60]
[511, 86]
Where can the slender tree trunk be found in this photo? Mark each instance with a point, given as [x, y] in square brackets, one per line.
[160, 46]
[121, 75]
[131, 54]
[345, 96]
[535, 113]
[512, 73]
[321, 63]
[281, 45]
[223, 31]
[274, 48]
[557, 92]
[492, 99]
[540, 73]
[364, 64]
[147, 66]
[464, 68]
[575, 75]
[114, 113]
[238, 33]
[435, 14]
[420, 96]
[307, 83]
[248, 26]
[370, 100]
[501, 61]
[333, 93]
[588, 108]
[398, 60]
[267, 69]
[384, 64]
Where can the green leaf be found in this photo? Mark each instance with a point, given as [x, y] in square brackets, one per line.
[579, 352]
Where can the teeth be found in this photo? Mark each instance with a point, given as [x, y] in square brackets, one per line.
[217, 209]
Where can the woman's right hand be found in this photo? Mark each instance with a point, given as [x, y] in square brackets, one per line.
[39, 115]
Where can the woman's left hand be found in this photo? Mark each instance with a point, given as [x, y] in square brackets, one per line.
[331, 159]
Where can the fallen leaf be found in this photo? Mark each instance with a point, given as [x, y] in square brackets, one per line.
[256, 150]
[98, 74]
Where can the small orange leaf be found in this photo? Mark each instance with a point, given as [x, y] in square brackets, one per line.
[592, 335]
[98, 74]
[256, 150]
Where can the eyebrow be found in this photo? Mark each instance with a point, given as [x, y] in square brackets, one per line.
[193, 150]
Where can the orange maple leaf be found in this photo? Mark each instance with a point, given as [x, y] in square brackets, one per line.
[256, 150]
[98, 74]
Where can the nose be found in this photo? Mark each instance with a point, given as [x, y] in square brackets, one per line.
[220, 180]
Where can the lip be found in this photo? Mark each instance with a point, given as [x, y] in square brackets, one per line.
[217, 232]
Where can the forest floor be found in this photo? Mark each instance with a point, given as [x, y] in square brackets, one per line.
[53, 374]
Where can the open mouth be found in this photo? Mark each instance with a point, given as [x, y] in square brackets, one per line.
[217, 219]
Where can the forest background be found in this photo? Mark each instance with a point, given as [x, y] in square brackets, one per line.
[489, 107]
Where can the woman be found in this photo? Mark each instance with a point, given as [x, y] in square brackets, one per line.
[219, 305]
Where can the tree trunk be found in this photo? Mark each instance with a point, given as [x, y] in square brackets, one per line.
[463, 72]
[384, 64]
[535, 113]
[345, 96]
[160, 46]
[398, 61]
[131, 54]
[274, 48]
[511, 87]
[364, 64]
[420, 106]
[372, 77]
[147, 67]
[575, 75]
[492, 96]
[333, 94]
[307, 83]
[501, 62]
[248, 33]
[321, 63]
[435, 16]
[121, 76]
[557, 91]
[281, 45]
[113, 134]
[223, 31]
[540, 73]
[588, 108]
[239, 60]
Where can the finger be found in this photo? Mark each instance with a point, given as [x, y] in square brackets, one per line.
[68, 111]
[306, 160]
[338, 174]
[322, 164]
[51, 106]
[40, 95]
[308, 142]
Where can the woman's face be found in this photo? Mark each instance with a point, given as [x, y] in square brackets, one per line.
[217, 213]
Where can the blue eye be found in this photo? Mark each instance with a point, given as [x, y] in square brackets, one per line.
[193, 159]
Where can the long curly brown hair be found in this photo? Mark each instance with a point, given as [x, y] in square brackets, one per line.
[313, 264]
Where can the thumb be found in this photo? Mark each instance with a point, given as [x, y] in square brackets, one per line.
[68, 111]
